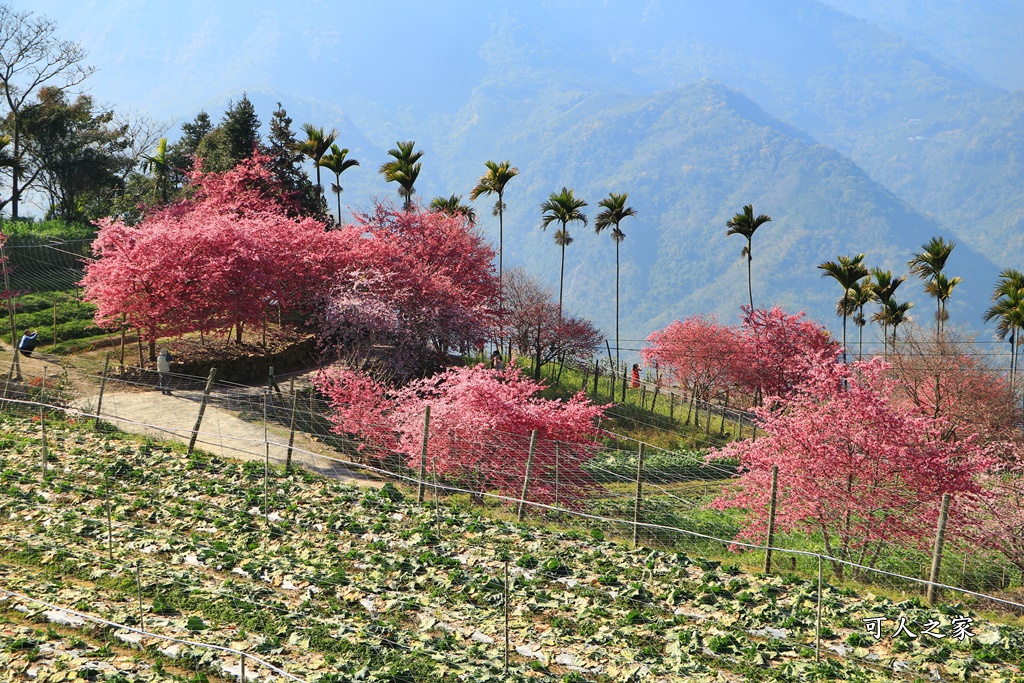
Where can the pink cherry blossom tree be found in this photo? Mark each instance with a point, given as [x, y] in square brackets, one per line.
[230, 255]
[855, 466]
[418, 285]
[480, 426]
[697, 353]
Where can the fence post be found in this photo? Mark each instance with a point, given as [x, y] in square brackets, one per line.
[597, 374]
[291, 427]
[526, 479]
[725, 407]
[242, 669]
[42, 424]
[771, 520]
[817, 624]
[266, 457]
[556, 473]
[423, 456]
[138, 583]
[672, 406]
[940, 534]
[110, 526]
[103, 384]
[625, 382]
[643, 396]
[639, 495]
[202, 409]
[55, 323]
[506, 614]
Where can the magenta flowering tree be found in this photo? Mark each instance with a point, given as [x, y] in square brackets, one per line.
[480, 426]
[229, 256]
[418, 285]
[855, 466]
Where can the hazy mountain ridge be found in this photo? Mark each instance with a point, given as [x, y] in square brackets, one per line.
[610, 98]
[690, 158]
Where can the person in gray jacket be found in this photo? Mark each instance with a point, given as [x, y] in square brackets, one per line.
[163, 367]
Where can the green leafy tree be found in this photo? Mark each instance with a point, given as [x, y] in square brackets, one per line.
[158, 164]
[404, 169]
[453, 206]
[883, 287]
[613, 211]
[32, 57]
[494, 182]
[1008, 309]
[235, 139]
[337, 162]
[77, 152]
[563, 207]
[181, 155]
[928, 264]
[746, 224]
[286, 165]
[847, 271]
[315, 146]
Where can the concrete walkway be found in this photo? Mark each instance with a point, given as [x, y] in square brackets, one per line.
[223, 432]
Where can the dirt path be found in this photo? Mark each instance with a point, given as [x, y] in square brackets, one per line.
[223, 432]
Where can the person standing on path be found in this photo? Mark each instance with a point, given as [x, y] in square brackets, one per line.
[636, 375]
[163, 367]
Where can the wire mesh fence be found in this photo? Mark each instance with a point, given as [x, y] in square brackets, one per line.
[239, 536]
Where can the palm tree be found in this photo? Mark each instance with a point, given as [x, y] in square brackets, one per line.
[858, 296]
[941, 288]
[613, 210]
[494, 182]
[159, 165]
[563, 207]
[1008, 308]
[403, 169]
[882, 289]
[337, 163]
[453, 206]
[896, 315]
[927, 265]
[315, 145]
[746, 224]
[847, 271]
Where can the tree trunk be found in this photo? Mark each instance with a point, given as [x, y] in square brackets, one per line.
[616, 302]
[561, 279]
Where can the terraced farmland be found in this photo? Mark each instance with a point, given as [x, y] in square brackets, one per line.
[329, 582]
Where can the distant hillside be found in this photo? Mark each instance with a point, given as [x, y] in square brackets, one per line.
[981, 37]
[691, 158]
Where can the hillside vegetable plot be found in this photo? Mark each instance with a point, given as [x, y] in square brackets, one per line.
[340, 584]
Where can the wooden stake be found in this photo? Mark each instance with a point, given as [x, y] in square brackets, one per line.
[202, 409]
[771, 520]
[138, 582]
[42, 423]
[817, 626]
[639, 495]
[103, 383]
[526, 478]
[423, 456]
[291, 426]
[940, 533]
[506, 614]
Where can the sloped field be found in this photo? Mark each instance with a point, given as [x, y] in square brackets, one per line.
[335, 583]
